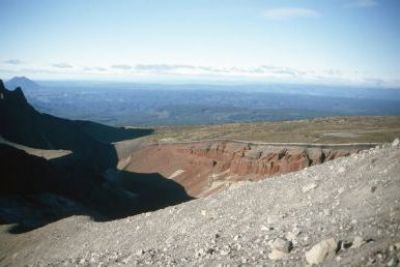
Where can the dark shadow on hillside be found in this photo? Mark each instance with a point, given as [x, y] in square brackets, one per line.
[35, 191]
[26, 212]
[107, 134]
[134, 193]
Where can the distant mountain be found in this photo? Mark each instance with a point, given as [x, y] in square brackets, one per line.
[22, 82]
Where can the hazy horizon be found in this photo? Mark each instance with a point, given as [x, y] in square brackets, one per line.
[100, 82]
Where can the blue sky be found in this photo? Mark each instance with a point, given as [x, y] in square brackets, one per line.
[331, 41]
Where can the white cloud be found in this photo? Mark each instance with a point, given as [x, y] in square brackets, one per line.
[362, 3]
[288, 13]
[93, 68]
[270, 73]
[13, 61]
[121, 67]
[263, 71]
[62, 65]
[254, 73]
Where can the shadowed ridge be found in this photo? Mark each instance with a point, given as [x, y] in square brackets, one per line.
[108, 134]
[2, 88]
[24, 125]
[13, 96]
[19, 118]
[87, 177]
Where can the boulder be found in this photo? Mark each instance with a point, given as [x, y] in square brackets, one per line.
[322, 251]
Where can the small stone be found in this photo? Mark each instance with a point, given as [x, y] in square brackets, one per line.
[340, 190]
[293, 234]
[393, 261]
[322, 251]
[203, 212]
[309, 187]
[199, 253]
[140, 252]
[276, 255]
[395, 142]
[126, 259]
[282, 245]
[358, 242]
[341, 170]
[224, 252]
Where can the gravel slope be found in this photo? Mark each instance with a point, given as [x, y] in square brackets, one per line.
[352, 203]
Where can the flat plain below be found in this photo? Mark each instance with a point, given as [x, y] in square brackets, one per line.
[333, 130]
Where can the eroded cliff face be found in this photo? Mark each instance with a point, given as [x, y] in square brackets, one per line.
[207, 167]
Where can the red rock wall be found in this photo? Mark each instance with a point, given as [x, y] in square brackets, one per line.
[244, 159]
[205, 163]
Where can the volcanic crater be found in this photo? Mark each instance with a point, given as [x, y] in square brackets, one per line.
[204, 168]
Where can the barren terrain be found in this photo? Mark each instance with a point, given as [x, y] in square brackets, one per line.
[344, 212]
[86, 194]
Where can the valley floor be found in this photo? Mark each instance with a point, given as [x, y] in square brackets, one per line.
[330, 130]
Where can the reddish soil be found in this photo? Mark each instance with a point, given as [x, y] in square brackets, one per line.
[207, 167]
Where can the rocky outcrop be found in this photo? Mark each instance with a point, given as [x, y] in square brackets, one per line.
[206, 167]
[244, 159]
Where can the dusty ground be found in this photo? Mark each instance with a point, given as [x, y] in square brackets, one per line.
[322, 130]
[353, 203]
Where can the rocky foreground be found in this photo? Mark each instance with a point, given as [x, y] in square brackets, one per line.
[344, 212]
